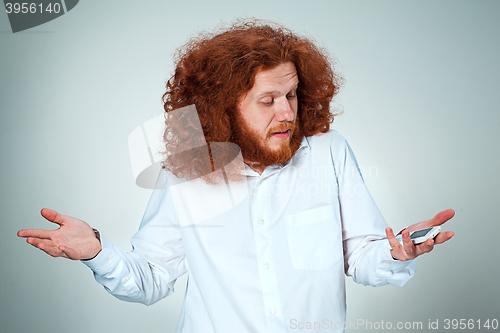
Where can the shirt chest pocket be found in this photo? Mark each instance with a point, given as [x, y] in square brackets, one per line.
[315, 238]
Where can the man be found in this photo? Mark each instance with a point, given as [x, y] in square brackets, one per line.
[278, 256]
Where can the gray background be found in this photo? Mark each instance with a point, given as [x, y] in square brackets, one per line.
[420, 111]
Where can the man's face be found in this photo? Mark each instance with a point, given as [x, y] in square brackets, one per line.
[267, 116]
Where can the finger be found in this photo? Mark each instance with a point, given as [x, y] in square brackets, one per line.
[441, 217]
[51, 250]
[443, 237]
[46, 246]
[393, 242]
[36, 241]
[37, 233]
[425, 247]
[408, 245]
[52, 216]
[397, 251]
[70, 253]
[438, 219]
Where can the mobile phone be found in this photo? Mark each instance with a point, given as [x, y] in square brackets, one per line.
[420, 236]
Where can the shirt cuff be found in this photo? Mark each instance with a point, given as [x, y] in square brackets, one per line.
[394, 271]
[106, 261]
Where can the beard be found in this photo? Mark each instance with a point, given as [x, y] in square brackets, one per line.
[256, 149]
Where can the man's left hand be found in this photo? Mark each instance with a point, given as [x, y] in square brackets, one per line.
[408, 250]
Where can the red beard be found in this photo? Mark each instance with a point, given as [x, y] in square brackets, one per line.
[256, 150]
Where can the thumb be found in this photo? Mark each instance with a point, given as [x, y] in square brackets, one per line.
[52, 216]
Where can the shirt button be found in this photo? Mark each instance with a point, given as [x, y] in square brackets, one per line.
[126, 278]
[261, 222]
[381, 279]
[110, 257]
[387, 262]
[267, 266]
[274, 311]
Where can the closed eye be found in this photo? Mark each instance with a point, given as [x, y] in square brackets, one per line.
[268, 102]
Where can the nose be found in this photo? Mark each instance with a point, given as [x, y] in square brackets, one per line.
[284, 110]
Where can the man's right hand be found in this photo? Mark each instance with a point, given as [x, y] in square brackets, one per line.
[74, 239]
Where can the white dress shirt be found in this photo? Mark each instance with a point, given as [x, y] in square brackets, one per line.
[275, 256]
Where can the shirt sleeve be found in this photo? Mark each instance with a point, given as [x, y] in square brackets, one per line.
[367, 257]
[148, 272]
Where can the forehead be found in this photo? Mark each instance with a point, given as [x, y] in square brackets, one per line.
[282, 76]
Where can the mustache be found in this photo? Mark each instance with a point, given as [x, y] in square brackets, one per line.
[282, 127]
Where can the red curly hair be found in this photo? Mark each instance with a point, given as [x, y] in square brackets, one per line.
[213, 71]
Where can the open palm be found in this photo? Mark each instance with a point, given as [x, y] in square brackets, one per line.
[74, 239]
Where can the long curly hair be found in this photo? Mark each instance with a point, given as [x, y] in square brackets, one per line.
[214, 70]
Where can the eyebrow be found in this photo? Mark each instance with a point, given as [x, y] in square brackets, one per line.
[275, 91]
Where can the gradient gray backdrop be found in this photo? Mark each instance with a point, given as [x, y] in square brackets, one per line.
[421, 111]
